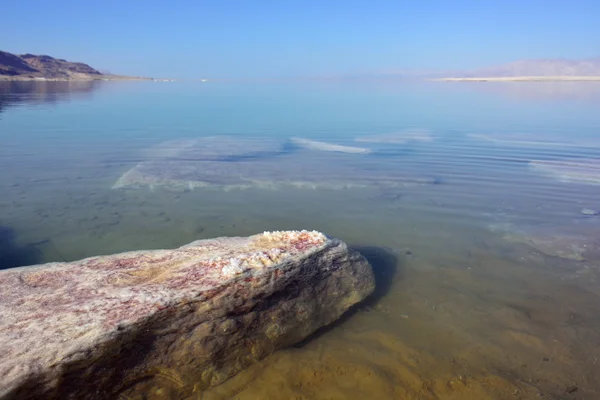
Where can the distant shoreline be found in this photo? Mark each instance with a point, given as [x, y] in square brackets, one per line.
[523, 79]
[7, 78]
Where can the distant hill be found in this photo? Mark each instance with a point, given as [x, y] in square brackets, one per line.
[12, 65]
[20, 91]
[53, 67]
[557, 69]
[30, 67]
[544, 67]
[552, 69]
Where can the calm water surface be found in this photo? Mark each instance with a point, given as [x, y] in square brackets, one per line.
[487, 263]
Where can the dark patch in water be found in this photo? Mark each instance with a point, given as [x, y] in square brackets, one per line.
[12, 255]
[258, 156]
[289, 147]
[389, 196]
[386, 266]
[391, 152]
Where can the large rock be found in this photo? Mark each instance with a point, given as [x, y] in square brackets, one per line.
[193, 316]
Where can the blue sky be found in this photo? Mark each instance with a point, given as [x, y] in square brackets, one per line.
[254, 38]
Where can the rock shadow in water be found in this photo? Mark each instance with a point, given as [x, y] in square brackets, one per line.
[387, 267]
[12, 255]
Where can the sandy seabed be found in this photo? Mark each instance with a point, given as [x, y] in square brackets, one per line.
[460, 312]
[468, 317]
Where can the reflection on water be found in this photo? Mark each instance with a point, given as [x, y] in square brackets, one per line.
[14, 93]
[487, 270]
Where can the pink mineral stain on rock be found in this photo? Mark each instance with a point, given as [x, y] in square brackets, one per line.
[70, 306]
[51, 278]
[108, 327]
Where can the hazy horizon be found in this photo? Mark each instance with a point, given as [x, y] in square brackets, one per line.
[233, 39]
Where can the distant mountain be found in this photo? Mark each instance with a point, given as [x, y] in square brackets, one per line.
[32, 67]
[53, 67]
[384, 75]
[12, 65]
[557, 67]
[406, 74]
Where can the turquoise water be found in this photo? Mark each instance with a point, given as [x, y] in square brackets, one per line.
[487, 264]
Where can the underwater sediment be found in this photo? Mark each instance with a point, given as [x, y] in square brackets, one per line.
[184, 165]
[586, 171]
[195, 315]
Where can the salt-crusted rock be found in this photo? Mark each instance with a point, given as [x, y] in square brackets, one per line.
[194, 316]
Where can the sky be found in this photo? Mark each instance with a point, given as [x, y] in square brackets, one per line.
[288, 38]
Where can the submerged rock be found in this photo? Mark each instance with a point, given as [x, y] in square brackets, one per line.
[310, 169]
[195, 315]
[323, 146]
[402, 137]
[180, 163]
[214, 148]
[577, 170]
[525, 139]
[535, 140]
[552, 241]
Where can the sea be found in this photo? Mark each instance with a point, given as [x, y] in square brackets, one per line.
[476, 203]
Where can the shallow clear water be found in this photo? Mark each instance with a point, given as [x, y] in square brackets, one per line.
[487, 268]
